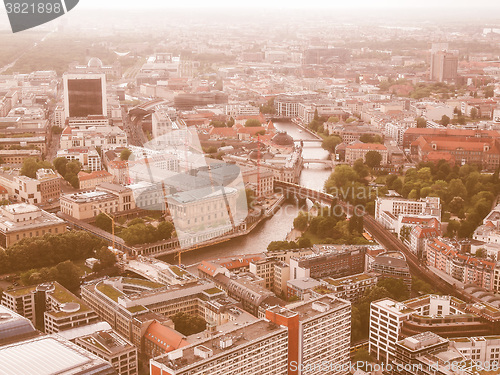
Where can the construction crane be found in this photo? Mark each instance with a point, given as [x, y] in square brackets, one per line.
[112, 225]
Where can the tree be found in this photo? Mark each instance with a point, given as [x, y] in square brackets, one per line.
[56, 130]
[188, 324]
[31, 165]
[300, 222]
[370, 138]
[421, 122]
[164, 230]
[373, 159]
[333, 119]
[106, 257]
[103, 222]
[456, 205]
[396, 287]
[125, 154]
[252, 122]
[281, 245]
[473, 113]
[445, 120]
[329, 143]
[304, 242]
[360, 168]
[481, 253]
[68, 275]
[51, 249]
[60, 165]
[456, 188]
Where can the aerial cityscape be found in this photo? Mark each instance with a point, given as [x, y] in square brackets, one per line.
[265, 189]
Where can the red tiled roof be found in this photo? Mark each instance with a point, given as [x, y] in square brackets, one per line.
[165, 337]
[3, 190]
[83, 176]
[367, 146]
[223, 132]
[240, 262]
[207, 267]
[119, 164]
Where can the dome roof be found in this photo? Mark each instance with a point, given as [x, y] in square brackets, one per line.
[282, 139]
[95, 62]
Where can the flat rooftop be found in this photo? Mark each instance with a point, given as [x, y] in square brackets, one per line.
[48, 355]
[240, 336]
[306, 310]
[107, 341]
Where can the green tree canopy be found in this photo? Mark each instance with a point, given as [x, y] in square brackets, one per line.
[31, 165]
[329, 143]
[125, 154]
[252, 122]
[373, 159]
[188, 324]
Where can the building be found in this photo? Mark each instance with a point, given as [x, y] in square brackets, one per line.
[359, 150]
[50, 185]
[386, 320]
[447, 316]
[350, 288]
[301, 288]
[443, 256]
[51, 355]
[50, 306]
[111, 347]
[88, 157]
[411, 352]
[412, 134]
[107, 197]
[14, 327]
[334, 261]
[391, 264]
[18, 221]
[89, 181]
[418, 237]
[84, 95]
[260, 180]
[87, 139]
[388, 209]
[160, 339]
[130, 305]
[205, 213]
[264, 268]
[489, 231]
[458, 151]
[444, 66]
[18, 156]
[286, 342]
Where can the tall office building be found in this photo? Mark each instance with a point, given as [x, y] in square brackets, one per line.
[84, 95]
[444, 66]
[308, 338]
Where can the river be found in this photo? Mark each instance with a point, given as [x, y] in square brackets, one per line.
[277, 227]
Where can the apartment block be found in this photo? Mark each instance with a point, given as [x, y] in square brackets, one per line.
[300, 340]
[50, 306]
[113, 348]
